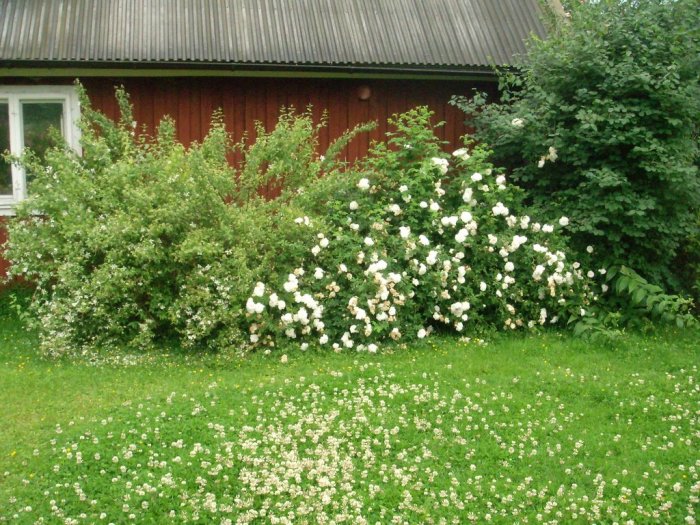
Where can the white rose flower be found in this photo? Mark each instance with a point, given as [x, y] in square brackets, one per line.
[461, 153]
[404, 232]
[403, 188]
[423, 240]
[467, 195]
[318, 274]
[517, 123]
[363, 184]
[353, 205]
[422, 333]
[323, 242]
[442, 164]
[476, 177]
[564, 221]
[369, 241]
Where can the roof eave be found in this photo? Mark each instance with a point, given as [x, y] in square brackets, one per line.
[27, 68]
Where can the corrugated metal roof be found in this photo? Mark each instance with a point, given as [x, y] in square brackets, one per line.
[456, 33]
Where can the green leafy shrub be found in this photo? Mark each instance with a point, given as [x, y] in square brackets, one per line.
[140, 238]
[602, 122]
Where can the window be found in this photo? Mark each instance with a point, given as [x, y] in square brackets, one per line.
[26, 115]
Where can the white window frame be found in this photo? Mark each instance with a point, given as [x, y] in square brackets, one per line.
[14, 96]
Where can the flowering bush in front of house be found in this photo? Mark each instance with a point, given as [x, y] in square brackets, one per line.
[140, 240]
[415, 240]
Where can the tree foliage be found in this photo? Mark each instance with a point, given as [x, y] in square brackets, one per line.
[602, 121]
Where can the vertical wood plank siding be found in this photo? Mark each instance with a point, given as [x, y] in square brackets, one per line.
[191, 102]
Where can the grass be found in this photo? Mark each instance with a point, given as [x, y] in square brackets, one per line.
[522, 429]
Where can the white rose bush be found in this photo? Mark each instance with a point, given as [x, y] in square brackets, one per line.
[415, 241]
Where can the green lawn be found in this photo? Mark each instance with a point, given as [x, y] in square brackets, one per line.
[523, 429]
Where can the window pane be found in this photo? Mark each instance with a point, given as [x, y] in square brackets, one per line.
[5, 170]
[37, 119]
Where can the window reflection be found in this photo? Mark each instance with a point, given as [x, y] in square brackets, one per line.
[37, 119]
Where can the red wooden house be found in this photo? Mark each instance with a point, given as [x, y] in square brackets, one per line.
[358, 59]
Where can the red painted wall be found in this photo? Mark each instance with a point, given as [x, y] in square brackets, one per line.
[191, 102]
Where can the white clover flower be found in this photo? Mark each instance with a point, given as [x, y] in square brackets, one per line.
[476, 177]
[363, 184]
[442, 164]
[517, 123]
[353, 204]
[404, 232]
[564, 221]
[461, 153]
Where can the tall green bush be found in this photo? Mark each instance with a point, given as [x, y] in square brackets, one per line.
[602, 122]
[140, 239]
